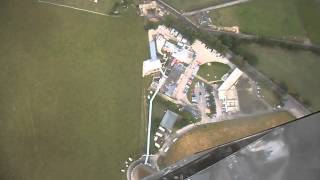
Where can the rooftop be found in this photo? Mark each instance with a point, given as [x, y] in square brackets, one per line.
[169, 119]
[231, 80]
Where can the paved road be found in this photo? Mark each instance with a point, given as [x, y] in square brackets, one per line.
[179, 91]
[200, 92]
[216, 99]
[232, 3]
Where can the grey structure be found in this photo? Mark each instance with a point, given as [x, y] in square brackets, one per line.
[168, 120]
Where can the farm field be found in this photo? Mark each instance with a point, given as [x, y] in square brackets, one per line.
[299, 70]
[70, 84]
[189, 5]
[212, 135]
[293, 19]
[214, 71]
[308, 10]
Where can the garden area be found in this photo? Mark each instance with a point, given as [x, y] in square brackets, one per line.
[213, 71]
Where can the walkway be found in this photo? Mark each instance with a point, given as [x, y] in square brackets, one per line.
[161, 82]
[179, 91]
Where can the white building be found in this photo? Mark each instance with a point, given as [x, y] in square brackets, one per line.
[227, 92]
[160, 42]
[154, 64]
[183, 55]
[145, 8]
[150, 66]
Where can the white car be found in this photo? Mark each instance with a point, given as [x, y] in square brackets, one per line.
[166, 149]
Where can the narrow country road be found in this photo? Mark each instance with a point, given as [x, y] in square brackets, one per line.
[219, 6]
[240, 35]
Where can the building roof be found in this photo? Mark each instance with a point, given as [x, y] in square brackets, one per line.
[183, 55]
[153, 50]
[160, 42]
[169, 119]
[231, 80]
[150, 66]
[169, 89]
[170, 47]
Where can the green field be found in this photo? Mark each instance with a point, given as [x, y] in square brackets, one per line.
[70, 95]
[299, 70]
[214, 71]
[215, 134]
[102, 6]
[189, 5]
[293, 19]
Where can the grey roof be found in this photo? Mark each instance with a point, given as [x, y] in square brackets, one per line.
[153, 50]
[169, 119]
[169, 89]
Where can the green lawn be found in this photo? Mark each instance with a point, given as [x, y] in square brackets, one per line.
[189, 5]
[299, 70]
[213, 71]
[70, 95]
[294, 19]
[270, 96]
[215, 134]
[309, 11]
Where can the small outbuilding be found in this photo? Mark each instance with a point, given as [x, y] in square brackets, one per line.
[168, 120]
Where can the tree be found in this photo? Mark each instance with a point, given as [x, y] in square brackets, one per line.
[283, 86]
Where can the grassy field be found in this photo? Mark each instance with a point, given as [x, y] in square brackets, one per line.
[294, 19]
[214, 71]
[299, 70]
[208, 136]
[70, 95]
[102, 6]
[309, 13]
[189, 5]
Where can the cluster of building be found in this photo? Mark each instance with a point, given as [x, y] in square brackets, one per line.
[151, 10]
[176, 54]
[172, 55]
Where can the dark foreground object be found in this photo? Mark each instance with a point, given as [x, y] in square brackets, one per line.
[288, 152]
